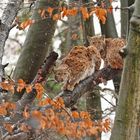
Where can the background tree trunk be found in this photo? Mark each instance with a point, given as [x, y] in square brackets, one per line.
[127, 113]
[6, 21]
[109, 29]
[125, 17]
[36, 45]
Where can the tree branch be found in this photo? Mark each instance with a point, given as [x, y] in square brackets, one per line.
[41, 76]
[71, 97]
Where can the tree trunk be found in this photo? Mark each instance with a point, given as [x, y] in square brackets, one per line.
[74, 35]
[35, 47]
[93, 104]
[6, 21]
[125, 17]
[109, 28]
[127, 113]
[88, 26]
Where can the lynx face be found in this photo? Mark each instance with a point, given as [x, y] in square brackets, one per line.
[99, 43]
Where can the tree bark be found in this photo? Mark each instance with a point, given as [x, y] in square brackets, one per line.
[109, 28]
[6, 21]
[127, 113]
[93, 105]
[125, 17]
[36, 45]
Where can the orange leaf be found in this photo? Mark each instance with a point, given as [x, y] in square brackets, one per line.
[64, 11]
[24, 127]
[92, 131]
[3, 111]
[75, 114]
[106, 125]
[110, 9]
[44, 102]
[4, 85]
[39, 89]
[37, 114]
[43, 124]
[84, 115]
[60, 101]
[8, 127]
[9, 105]
[20, 85]
[56, 17]
[50, 10]
[26, 23]
[29, 88]
[72, 12]
[84, 12]
[101, 14]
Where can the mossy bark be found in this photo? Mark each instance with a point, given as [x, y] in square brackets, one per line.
[36, 44]
[127, 113]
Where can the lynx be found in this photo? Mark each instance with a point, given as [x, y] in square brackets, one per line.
[80, 63]
[109, 50]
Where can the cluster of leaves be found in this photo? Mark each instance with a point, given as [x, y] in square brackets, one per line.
[13, 87]
[50, 115]
[100, 12]
[75, 124]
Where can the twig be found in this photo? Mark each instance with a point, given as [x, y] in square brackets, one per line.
[40, 77]
[13, 126]
[107, 100]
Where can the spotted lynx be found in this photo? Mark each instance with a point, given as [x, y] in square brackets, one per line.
[110, 50]
[80, 63]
